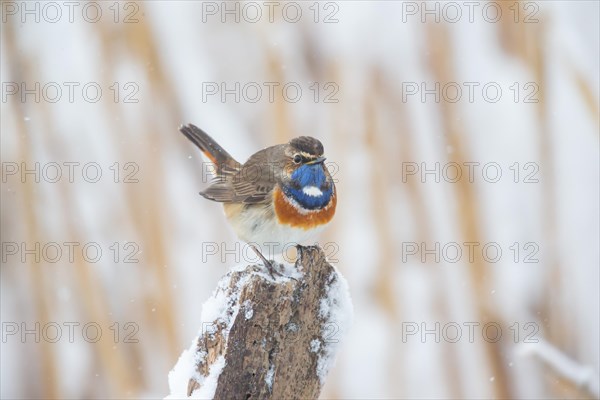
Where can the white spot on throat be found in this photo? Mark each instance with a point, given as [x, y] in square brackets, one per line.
[312, 191]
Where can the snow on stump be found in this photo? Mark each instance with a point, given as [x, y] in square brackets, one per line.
[265, 338]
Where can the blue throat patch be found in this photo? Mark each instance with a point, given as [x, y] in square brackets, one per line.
[307, 176]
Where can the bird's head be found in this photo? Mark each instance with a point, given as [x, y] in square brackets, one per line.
[306, 178]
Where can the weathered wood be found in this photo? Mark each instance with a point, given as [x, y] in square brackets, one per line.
[277, 337]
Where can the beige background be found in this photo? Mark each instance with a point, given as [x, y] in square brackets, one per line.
[372, 55]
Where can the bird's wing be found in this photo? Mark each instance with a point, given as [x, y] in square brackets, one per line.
[251, 184]
[238, 192]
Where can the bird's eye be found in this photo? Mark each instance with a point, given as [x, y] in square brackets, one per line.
[297, 159]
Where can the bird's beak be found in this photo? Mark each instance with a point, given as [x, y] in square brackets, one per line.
[317, 160]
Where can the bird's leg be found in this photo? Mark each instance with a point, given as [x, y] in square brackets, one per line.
[267, 263]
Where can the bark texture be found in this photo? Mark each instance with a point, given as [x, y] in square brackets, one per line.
[276, 339]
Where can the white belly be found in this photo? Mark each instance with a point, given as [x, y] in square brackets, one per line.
[258, 226]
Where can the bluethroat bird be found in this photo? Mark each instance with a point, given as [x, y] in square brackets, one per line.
[282, 194]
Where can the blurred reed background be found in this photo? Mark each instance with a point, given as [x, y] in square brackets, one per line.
[168, 51]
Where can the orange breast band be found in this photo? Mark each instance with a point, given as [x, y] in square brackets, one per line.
[288, 213]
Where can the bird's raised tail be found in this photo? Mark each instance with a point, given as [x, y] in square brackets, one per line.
[223, 161]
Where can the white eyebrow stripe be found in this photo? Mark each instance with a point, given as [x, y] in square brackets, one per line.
[312, 191]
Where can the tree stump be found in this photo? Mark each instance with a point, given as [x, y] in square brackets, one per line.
[265, 338]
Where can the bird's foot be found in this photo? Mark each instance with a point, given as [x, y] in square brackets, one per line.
[268, 264]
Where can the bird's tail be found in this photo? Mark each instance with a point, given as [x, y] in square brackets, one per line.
[222, 159]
